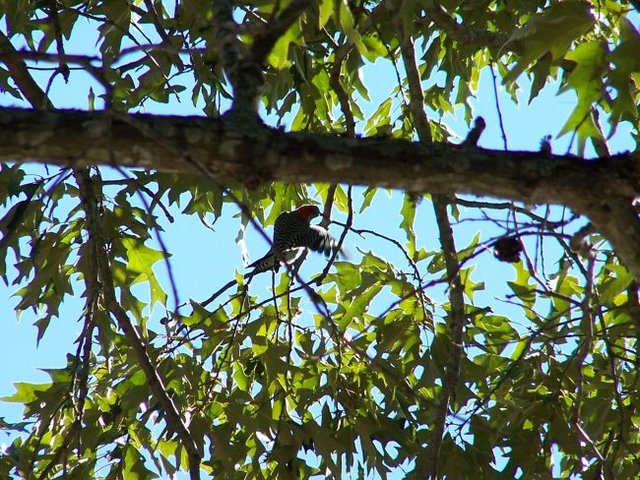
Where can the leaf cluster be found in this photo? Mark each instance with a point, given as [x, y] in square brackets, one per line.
[352, 371]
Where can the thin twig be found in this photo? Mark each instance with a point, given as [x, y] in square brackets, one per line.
[496, 99]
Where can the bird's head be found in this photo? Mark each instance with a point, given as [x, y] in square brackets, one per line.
[308, 212]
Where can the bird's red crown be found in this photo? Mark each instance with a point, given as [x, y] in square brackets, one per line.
[308, 211]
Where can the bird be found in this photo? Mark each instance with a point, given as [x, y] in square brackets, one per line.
[292, 234]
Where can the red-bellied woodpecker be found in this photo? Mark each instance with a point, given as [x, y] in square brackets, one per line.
[292, 233]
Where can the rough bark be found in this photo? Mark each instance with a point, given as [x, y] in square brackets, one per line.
[602, 189]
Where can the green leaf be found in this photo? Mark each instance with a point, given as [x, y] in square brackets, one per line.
[363, 296]
[551, 31]
[140, 260]
[408, 213]
[279, 55]
[380, 122]
[470, 249]
[326, 9]
[242, 381]
[616, 281]
[523, 286]
[470, 287]
[586, 81]
[624, 65]
[26, 392]
[367, 198]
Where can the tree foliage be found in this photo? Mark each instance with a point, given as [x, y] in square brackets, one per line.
[508, 353]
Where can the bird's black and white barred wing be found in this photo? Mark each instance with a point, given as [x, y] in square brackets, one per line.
[320, 240]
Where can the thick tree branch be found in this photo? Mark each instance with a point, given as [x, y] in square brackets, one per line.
[77, 138]
[602, 188]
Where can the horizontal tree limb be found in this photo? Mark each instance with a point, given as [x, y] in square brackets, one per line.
[253, 154]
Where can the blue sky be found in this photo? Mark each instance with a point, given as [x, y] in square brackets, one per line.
[203, 259]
